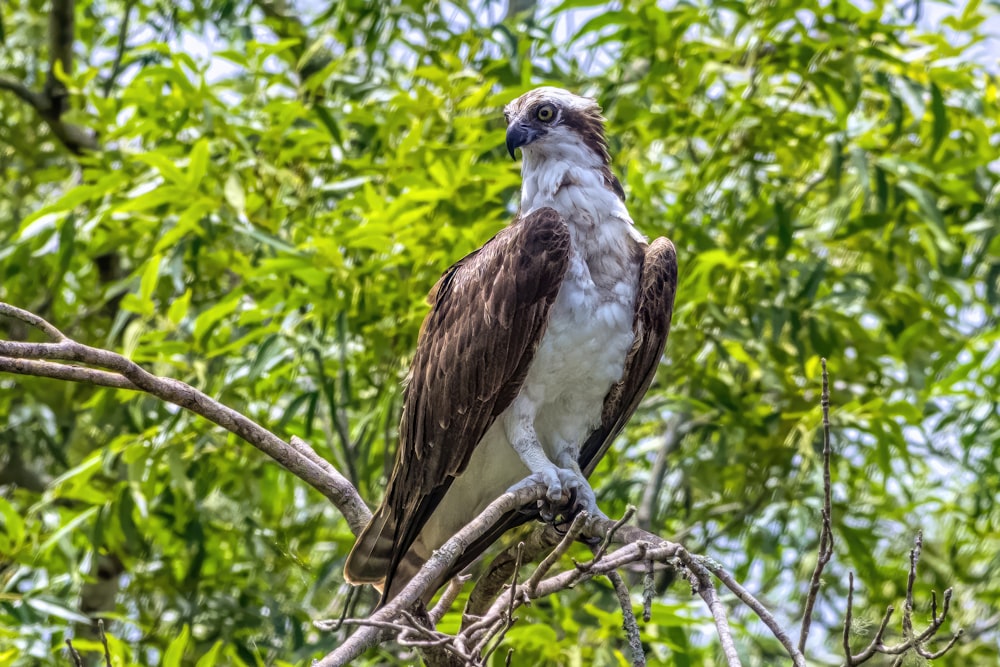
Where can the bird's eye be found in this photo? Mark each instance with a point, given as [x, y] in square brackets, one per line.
[546, 113]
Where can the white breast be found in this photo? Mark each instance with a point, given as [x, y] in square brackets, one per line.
[589, 331]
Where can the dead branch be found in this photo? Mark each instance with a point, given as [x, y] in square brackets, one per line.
[116, 63]
[911, 640]
[448, 598]
[492, 582]
[404, 618]
[104, 642]
[74, 654]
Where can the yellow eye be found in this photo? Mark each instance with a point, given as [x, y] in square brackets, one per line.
[546, 113]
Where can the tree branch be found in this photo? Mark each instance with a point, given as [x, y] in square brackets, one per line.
[438, 564]
[122, 373]
[826, 531]
[629, 624]
[52, 102]
[116, 64]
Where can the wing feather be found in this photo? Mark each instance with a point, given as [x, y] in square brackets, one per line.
[475, 347]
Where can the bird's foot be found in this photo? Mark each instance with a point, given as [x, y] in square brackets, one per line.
[567, 494]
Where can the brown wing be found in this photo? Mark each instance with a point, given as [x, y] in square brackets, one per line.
[654, 309]
[489, 313]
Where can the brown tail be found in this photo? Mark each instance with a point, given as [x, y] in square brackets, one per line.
[371, 557]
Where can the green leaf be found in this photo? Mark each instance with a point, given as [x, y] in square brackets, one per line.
[175, 650]
[164, 166]
[198, 164]
[67, 529]
[150, 276]
[211, 658]
[939, 128]
[13, 527]
[57, 609]
[178, 309]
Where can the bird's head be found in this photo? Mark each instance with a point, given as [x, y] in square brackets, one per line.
[552, 122]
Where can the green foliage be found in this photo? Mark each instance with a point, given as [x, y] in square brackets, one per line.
[278, 190]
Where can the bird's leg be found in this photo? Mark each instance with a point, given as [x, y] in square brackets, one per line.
[584, 499]
[519, 424]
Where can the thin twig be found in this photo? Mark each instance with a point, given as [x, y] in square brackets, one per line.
[629, 624]
[104, 642]
[33, 320]
[448, 598]
[73, 654]
[848, 619]
[826, 531]
[575, 528]
[606, 542]
[440, 562]
[648, 592]
[116, 64]
[81, 374]
[758, 608]
[910, 580]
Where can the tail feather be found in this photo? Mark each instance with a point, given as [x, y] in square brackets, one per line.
[371, 557]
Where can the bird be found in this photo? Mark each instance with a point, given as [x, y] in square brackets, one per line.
[537, 349]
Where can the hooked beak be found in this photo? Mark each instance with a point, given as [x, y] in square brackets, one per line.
[518, 135]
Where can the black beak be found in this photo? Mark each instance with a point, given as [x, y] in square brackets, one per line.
[519, 134]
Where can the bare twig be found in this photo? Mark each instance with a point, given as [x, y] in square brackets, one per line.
[116, 64]
[575, 528]
[47, 369]
[74, 654]
[918, 545]
[448, 598]
[826, 531]
[37, 100]
[494, 580]
[701, 583]
[648, 592]
[849, 618]
[911, 640]
[104, 642]
[758, 608]
[508, 619]
[610, 534]
[629, 624]
[116, 370]
[33, 320]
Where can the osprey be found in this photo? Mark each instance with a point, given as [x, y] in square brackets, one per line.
[537, 350]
